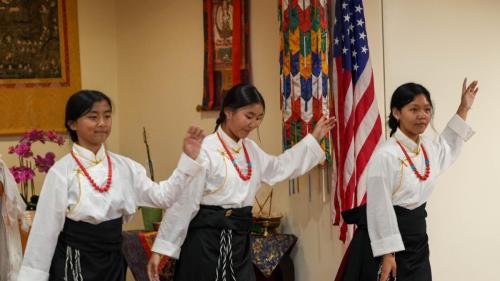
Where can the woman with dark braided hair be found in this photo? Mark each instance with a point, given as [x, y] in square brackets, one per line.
[208, 228]
[391, 240]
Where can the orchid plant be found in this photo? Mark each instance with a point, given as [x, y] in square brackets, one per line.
[29, 163]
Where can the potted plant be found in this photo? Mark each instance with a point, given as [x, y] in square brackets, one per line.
[31, 164]
[150, 216]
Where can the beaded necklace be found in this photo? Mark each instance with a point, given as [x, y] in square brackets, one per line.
[247, 158]
[101, 189]
[412, 165]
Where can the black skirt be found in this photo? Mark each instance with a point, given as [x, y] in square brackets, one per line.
[89, 252]
[412, 263]
[217, 246]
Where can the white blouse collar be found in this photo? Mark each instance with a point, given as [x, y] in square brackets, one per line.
[408, 143]
[85, 153]
[228, 140]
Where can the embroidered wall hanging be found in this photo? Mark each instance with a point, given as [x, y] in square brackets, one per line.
[226, 31]
[304, 69]
[39, 63]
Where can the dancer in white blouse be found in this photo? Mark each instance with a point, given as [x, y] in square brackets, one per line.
[89, 193]
[401, 177]
[208, 228]
[12, 208]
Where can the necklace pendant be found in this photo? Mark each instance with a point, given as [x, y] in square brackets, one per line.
[233, 161]
[412, 165]
[83, 170]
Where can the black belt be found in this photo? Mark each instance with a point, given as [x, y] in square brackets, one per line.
[238, 219]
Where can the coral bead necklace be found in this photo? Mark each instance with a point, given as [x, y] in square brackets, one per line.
[412, 165]
[247, 158]
[103, 188]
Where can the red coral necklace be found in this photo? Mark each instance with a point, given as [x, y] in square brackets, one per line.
[103, 188]
[412, 165]
[247, 158]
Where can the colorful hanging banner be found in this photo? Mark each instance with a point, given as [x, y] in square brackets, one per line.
[226, 29]
[304, 68]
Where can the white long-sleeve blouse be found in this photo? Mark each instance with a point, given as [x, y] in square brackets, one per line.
[67, 193]
[219, 184]
[391, 182]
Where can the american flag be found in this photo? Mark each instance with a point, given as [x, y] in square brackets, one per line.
[359, 128]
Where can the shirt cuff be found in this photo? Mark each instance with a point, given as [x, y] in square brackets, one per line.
[166, 248]
[387, 245]
[188, 166]
[30, 274]
[458, 125]
[315, 147]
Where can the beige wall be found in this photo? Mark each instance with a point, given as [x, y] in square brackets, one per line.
[148, 56]
[98, 58]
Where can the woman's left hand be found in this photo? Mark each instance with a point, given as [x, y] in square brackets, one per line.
[324, 125]
[468, 96]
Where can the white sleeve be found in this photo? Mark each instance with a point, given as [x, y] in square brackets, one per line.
[292, 163]
[381, 217]
[175, 223]
[451, 140]
[48, 223]
[163, 194]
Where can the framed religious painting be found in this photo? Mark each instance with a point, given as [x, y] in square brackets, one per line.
[39, 63]
[227, 55]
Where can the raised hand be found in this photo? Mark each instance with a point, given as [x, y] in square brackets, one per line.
[192, 142]
[324, 125]
[468, 96]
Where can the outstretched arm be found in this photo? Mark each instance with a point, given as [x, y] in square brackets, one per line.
[165, 193]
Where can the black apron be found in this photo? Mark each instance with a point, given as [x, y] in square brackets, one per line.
[89, 252]
[217, 246]
[412, 263]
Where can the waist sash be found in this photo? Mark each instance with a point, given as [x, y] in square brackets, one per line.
[88, 252]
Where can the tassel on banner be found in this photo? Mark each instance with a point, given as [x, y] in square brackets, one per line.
[323, 183]
[298, 184]
[329, 179]
[309, 185]
[330, 166]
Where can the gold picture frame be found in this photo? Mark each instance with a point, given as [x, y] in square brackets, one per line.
[39, 63]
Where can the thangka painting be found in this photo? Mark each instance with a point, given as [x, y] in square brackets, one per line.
[226, 31]
[39, 63]
[304, 67]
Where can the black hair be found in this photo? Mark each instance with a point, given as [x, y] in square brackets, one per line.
[239, 96]
[402, 96]
[79, 104]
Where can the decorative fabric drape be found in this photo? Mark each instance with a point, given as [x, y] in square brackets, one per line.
[304, 67]
[226, 30]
